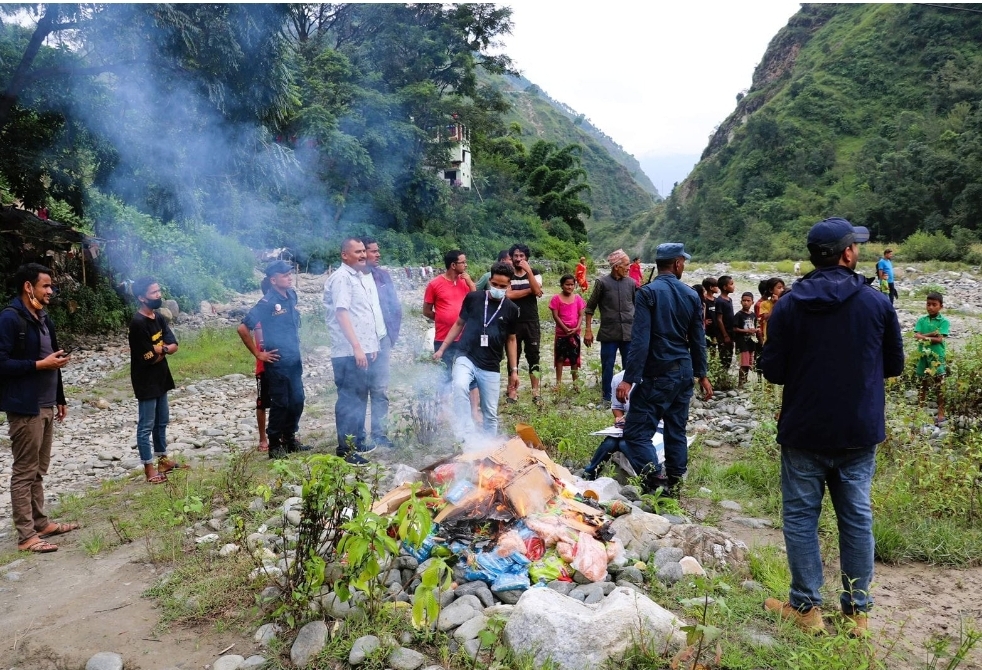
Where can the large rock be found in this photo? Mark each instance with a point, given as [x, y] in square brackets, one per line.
[574, 636]
[310, 641]
[710, 546]
[640, 531]
[405, 659]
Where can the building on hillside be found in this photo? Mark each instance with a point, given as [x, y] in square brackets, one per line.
[457, 172]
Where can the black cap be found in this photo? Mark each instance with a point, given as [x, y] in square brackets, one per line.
[278, 268]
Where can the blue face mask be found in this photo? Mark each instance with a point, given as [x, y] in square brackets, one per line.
[497, 293]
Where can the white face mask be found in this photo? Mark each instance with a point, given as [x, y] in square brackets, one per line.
[497, 293]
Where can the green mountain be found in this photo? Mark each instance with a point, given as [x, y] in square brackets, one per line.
[869, 111]
[620, 190]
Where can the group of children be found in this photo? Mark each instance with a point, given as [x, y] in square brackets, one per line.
[742, 331]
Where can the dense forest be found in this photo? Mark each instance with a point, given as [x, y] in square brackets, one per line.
[186, 136]
[868, 111]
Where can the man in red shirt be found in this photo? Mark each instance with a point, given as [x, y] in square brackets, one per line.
[442, 301]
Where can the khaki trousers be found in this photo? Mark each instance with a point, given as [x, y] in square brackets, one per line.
[30, 438]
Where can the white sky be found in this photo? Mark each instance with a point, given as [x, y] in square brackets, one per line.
[656, 77]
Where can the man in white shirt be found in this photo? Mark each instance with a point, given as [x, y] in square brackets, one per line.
[356, 328]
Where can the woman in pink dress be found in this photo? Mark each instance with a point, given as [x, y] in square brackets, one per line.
[567, 311]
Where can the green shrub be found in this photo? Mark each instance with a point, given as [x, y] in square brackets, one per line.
[86, 309]
[923, 246]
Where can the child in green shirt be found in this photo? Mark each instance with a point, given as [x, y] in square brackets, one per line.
[931, 331]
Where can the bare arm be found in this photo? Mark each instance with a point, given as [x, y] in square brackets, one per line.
[455, 330]
[429, 311]
[246, 336]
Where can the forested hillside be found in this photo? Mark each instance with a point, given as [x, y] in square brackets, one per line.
[869, 111]
[170, 131]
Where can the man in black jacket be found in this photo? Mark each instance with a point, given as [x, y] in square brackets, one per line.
[831, 342]
[33, 398]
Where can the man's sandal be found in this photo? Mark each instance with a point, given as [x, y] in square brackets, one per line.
[158, 478]
[38, 547]
[57, 529]
[165, 465]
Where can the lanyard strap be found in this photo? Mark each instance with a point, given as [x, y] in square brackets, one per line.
[486, 321]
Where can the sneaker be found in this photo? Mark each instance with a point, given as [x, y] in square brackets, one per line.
[810, 621]
[366, 448]
[383, 442]
[354, 458]
[588, 475]
[859, 624]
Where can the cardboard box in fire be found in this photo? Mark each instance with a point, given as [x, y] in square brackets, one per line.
[515, 517]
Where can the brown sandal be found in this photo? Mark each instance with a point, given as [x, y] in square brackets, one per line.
[165, 465]
[39, 547]
[57, 529]
[158, 478]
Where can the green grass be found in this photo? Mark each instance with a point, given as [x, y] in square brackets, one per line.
[208, 353]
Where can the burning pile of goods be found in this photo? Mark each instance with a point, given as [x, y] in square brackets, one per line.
[515, 519]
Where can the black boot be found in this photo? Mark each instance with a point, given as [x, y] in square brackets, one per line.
[293, 445]
[276, 447]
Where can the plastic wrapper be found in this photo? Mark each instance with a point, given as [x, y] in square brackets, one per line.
[489, 567]
[424, 550]
[549, 528]
[443, 474]
[566, 551]
[535, 548]
[616, 507]
[458, 490]
[511, 542]
[615, 552]
[591, 558]
[550, 568]
[511, 581]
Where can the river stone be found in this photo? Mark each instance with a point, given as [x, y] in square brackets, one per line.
[690, 566]
[574, 636]
[405, 659]
[670, 573]
[362, 649]
[266, 633]
[461, 610]
[470, 629]
[472, 647]
[640, 531]
[587, 593]
[228, 662]
[105, 660]
[562, 587]
[667, 555]
[310, 642]
[253, 662]
[508, 597]
[631, 574]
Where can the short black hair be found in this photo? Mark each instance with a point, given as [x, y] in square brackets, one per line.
[724, 280]
[504, 255]
[502, 269]
[667, 263]
[825, 261]
[368, 239]
[934, 295]
[747, 294]
[565, 278]
[348, 240]
[142, 285]
[699, 289]
[29, 273]
[451, 257]
[708, 282]
[519, 247]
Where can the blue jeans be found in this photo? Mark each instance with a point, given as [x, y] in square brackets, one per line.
[465, 374]
[153, 417]
[607, 448]
[378, 391]
[286, 398]
[608, 356]
[804, 478]
[351, 405]
[664, 398]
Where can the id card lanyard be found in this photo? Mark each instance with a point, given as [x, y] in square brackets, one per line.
[487, 322]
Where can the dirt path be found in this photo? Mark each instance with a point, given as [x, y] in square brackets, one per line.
[66, 606]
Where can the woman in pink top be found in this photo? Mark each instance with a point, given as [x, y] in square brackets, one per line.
[567, 311]
[634, 272]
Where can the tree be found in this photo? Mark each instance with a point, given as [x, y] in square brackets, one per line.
[553, 178]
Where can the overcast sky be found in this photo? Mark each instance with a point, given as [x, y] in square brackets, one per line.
[656, 77]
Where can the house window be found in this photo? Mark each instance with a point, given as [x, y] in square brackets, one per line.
[450, 174]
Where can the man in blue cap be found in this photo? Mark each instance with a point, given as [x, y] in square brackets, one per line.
[668, 349]
[277, 312]
[831, 342]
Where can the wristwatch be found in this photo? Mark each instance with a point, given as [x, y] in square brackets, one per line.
[514, 369]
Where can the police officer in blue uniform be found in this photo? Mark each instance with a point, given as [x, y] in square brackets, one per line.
[277, 312]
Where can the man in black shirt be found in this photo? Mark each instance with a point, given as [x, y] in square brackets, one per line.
[488, 320]
[525, 291]
[151, 341]
[277, 312]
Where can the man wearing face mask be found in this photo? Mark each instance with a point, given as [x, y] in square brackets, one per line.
[488, 320]
[668, 349]
[151, 341]
[33, 398]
